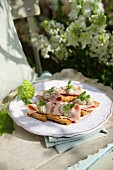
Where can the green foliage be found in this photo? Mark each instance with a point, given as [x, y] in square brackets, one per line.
[6, 123]
[82, 41]
[108, 6]
[69, 85]
[26, 91]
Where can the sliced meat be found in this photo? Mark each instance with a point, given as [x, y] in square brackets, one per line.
[56, 98]
[88, 107]
[56, 110]
[75, 113]
[49, 106]
[32, 108]
[73, 92]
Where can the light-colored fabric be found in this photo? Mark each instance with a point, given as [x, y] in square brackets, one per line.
[14, 67]
[64, 144]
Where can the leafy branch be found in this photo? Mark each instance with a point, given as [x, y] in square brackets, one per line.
[25, 93]
[6, 122]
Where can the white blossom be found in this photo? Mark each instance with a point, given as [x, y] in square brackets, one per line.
[86, 29]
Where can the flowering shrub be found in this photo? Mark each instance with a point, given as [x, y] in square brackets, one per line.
[82, 39]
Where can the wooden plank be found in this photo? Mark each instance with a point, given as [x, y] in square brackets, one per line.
[29, 9]
[23, 150]
[34, 41]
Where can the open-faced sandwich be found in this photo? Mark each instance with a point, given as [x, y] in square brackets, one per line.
[63, 105]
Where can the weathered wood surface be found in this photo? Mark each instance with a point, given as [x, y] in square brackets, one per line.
[28, 9]
[79, 153]
[26, 151]
[24, 8]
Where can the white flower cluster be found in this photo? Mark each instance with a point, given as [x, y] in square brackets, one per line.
[85, 8]
[99, 47]
[83, 30]
[110, 51]
[56, 43]
[44, 46]
[53, 27]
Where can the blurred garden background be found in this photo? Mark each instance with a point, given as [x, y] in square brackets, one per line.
[73, 34]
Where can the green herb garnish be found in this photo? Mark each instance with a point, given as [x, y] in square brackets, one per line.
[51, 90]
[69, 85]
[83, 96]
[67, 107]
[42, 103]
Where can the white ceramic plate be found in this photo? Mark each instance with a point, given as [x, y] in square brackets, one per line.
[87, 124]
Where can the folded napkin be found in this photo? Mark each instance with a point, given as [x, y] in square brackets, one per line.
[63, 144]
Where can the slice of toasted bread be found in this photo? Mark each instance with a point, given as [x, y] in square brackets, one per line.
[59, 119]
[56, 118]
[36, 115]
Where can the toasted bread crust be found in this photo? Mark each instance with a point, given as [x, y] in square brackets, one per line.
[58, 119]
[36, 115]
[45, 117]
[83, 112]
[96, 103]
[67, 98]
